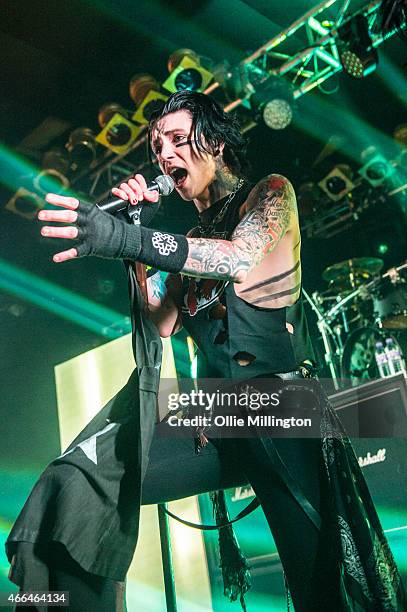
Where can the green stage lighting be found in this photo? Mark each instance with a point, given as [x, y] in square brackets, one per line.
[358, 56]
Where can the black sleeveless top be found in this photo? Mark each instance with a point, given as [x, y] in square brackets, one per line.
[226, 328]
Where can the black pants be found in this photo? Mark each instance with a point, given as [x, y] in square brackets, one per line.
[307, 553]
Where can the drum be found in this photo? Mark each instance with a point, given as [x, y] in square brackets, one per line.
[358, 364]
[390, 304]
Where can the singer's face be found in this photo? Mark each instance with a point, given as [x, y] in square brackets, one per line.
[173, 144]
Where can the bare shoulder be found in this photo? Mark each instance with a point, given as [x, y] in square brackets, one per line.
[270, 211]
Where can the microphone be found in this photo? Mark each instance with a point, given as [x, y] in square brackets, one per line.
[163, 183]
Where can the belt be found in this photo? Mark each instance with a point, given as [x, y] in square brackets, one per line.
[289, 375]
[304, 371]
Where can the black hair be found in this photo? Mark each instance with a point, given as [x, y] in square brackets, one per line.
[212, 127]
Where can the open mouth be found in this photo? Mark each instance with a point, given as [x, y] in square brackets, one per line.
[178, 175]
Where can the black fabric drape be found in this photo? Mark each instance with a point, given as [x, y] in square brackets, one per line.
[88, 499]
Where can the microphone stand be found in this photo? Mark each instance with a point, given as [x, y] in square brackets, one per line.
[165, 536]
[324, 328]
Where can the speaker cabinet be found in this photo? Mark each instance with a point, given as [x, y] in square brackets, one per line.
[376, 411]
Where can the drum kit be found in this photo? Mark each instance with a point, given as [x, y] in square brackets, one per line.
[360, 307]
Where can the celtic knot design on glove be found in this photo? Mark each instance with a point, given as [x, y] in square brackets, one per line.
[164, 243]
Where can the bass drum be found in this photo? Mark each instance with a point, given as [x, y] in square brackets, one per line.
[390, 304]
[358, 363]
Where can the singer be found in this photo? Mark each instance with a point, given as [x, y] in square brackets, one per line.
[235, 285]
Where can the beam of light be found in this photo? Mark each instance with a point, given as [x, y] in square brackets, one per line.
[319, 117]
[393, 79]
[16, 171]
[62, 302]
[147, 18]
[13, 167]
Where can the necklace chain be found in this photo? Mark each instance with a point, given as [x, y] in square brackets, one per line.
[206, 230]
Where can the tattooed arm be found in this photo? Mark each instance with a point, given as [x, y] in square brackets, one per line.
[163, 303]
[270, 210]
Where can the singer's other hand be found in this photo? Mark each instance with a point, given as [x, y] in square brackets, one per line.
[95, 232]
[135, 191]
[68, 214]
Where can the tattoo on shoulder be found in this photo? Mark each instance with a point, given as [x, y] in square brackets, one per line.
[270, 209]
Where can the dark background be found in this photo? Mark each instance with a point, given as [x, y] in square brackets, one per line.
[65, 60]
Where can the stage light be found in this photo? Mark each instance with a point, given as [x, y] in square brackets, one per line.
[140, 85]
[57, 159]
[177, 56]
[337, 183]
[382, 248]
[55, 163]
[118, 133]
[377, 170]
[50, 180]
[108, 111]
[358, 56]
[25, 203]
[277, 114]
[81, 147]
[186, 72]
[144, 93]
[273, 101]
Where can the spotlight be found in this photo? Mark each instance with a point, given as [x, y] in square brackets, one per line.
[57, 159]
[55, 163]
[82, 147]
[177, 56]
[337, 183]
[50, 180]
[108, 111]
[377, 170]
[382, 248]
[25, 203]
[186, 72]
[140, 85]
[144, 93]
[118, 134]
[277, 114]
[274, 102]
[358, 56]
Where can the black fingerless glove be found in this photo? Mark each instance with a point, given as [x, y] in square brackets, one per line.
[102, 235]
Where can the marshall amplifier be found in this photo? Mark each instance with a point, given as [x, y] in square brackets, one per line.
[377, 411]
[380, 407]
[380, 410]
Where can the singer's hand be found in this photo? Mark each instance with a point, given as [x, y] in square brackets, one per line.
[67, 215]
[96, 232]
[135, 191]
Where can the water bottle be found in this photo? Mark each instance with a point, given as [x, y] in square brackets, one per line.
[396, 361]
[382, 360]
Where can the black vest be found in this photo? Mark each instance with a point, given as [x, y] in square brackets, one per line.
[225, 327]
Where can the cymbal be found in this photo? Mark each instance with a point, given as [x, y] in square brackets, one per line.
[352, 272]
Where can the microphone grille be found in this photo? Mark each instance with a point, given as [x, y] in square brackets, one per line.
[165, 184]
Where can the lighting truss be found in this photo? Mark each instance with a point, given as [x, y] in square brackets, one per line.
[307, 68]
[311, 66]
